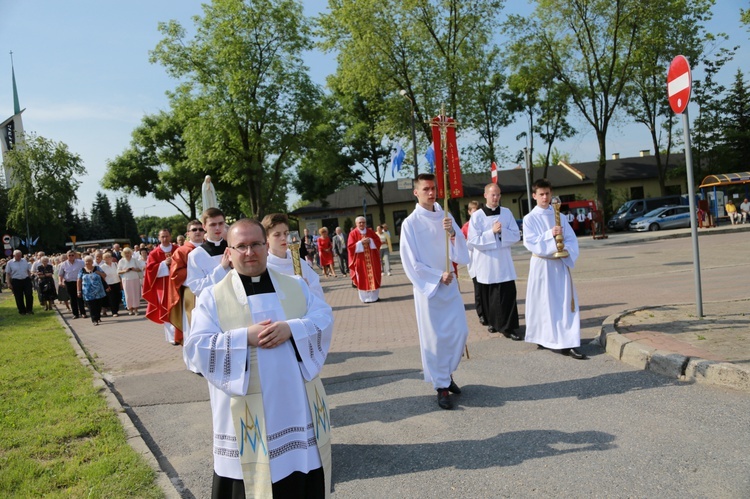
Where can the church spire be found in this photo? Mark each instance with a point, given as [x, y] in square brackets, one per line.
[16, 105]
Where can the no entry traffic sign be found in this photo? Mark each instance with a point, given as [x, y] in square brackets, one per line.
[6, 239]
[679, 83]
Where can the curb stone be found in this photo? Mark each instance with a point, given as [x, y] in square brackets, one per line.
[132, 435]
[670, 364]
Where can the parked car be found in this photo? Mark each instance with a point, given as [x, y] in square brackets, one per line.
[638, 208]
[666, 217]
[519, 221]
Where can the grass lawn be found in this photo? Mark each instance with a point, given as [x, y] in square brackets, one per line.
[58, 437]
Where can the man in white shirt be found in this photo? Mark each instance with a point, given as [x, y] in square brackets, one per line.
[68, 275]
[441, 318]
[745, 210]
[18, 274]
[492, 232]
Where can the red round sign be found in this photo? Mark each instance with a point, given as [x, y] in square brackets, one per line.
[679, 83]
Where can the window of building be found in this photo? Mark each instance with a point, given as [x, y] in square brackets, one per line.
[636, 192]
[398, 217]
[673, 190]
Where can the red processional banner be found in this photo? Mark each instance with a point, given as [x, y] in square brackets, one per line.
[454, 168]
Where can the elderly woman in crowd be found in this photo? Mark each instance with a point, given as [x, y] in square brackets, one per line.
[114, 290]
[47, 290]
[99, 262]
[91, 288]
[62, 291]
[130, 271]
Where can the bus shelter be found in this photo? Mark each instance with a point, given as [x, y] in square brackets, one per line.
[719, 182]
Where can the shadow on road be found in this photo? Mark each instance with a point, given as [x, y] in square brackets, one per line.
[355, 461]
[483, 396]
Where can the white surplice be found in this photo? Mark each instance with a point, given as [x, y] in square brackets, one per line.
[491, 260]
[550, 322]
[286, 266]
[441, 318]
[203, 270]
[223, 358]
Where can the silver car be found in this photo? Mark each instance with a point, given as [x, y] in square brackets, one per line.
[666, 217]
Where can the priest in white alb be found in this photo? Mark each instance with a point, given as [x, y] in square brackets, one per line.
[492, 232]
[441, 317]
[553, 318]
[261, 338]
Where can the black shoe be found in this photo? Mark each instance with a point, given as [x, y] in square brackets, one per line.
[514, 337]
[444, 398]
[483, 321]
[577, 355]
[454, 388]
[491, 329]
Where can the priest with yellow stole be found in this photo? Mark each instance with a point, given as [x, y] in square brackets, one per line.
[260, 338]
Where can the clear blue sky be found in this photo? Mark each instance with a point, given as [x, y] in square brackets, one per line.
[84, 78]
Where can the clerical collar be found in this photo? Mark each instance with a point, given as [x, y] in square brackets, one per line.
[362, 231]
[490, 212]
[257, 285]
[213, 248]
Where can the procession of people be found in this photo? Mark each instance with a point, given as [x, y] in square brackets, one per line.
[246, 304]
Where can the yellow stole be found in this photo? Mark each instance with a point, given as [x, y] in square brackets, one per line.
[233, 312]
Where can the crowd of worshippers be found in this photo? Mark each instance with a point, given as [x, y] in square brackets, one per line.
[90, 283]
[254, 322]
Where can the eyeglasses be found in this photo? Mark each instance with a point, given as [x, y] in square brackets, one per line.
[197, 229]
[243, 248]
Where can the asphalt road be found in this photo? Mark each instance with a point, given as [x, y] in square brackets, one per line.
[529, 423]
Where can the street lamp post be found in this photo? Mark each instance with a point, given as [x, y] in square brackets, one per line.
[405, 95]
[527, 158]
[146, 208]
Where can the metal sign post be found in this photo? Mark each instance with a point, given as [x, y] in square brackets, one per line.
[679, 85]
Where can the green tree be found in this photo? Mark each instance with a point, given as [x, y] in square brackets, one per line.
[536, 94]
[156, 162]
[102, 218]
[325, 167]
[667, 30]
[488, 113]
[708, 126]
[84, 229]
[243, 73]
[363, 118]
[588, 46]
[737, 124]
[4, 206]
[125, 225]
[44, 181]
[425, 47]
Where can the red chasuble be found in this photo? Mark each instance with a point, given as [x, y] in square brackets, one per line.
[365, 266]
[155, 288]
[177, 275]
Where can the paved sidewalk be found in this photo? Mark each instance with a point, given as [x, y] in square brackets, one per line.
[673, 341]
